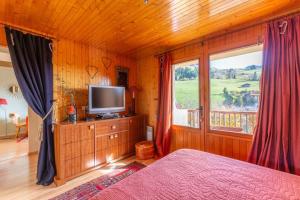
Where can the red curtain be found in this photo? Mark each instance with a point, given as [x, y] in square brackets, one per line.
[163, 126]
[277, 136]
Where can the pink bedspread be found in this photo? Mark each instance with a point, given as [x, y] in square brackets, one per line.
[190, 174]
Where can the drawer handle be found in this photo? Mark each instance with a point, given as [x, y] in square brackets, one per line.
[113, 127]
[116, 135]
[92, 127]
[111, 137]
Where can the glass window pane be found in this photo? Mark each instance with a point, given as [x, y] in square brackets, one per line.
[234, 89]
[186, 94]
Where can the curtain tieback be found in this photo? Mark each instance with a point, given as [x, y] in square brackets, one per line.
[44, 118]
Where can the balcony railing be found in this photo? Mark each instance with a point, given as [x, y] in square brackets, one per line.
[194, 118]
[243, 122]
[233, 121]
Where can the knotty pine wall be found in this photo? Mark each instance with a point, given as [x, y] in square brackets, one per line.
[231, 145]
[71, 61]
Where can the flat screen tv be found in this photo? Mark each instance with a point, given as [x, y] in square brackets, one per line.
[106, 99]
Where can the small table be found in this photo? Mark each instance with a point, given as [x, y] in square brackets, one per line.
[144, 150]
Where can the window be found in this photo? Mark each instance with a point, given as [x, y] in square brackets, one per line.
[186, 94]
[234, 89]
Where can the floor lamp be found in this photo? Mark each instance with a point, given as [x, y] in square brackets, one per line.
[2, 103]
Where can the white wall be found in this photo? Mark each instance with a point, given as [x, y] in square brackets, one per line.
[16, 102]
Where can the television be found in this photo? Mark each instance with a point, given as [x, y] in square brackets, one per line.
[106, 99]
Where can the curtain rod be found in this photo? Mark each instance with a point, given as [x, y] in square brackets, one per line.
[28, 30]
[206, 38]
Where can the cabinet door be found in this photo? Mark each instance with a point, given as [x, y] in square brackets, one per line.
[71, 150]
[123, 143]
[113, 150]
[101, 149]
[87, 144]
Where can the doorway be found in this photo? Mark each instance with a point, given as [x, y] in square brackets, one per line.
[13, 112]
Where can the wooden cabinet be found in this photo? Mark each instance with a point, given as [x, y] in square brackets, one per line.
[83, 146]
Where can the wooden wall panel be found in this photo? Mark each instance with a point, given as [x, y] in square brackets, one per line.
[183, 137]
[235, 146]
[230, 146]
[71, 60]
[147, 80]
[244, 37]
[187, 53]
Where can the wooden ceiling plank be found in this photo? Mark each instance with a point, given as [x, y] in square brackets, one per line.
[184, 15]
[79, 17]
[181, 17]
[216, 18]
[203, 31]
[142, 26]
[128, 25]
[50, 13]
[117, 24]
[60, 11]
[134, 31]
[83, 26]
[187, 23]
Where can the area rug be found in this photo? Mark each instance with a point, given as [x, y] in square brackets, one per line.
[93, 187]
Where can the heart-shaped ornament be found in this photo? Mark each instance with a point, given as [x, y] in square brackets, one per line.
[106, 62]
[92, 71]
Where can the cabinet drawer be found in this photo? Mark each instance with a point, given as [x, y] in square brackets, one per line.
[124, 125]
[108, 127]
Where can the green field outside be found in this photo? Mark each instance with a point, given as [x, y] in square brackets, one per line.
[186, 92]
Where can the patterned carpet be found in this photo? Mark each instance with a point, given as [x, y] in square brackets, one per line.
[93, 187]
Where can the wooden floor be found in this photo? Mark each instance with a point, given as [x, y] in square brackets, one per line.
[18, 178]
[10, 148]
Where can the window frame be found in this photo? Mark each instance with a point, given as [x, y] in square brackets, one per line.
[175, 62]
[208, 89]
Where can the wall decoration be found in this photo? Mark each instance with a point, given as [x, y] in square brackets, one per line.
[106, 61]
[122, 76]
[14, 89]
[92, 71]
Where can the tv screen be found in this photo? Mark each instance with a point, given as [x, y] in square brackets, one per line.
[106, 99]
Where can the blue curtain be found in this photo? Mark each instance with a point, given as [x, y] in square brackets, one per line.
[32, 62]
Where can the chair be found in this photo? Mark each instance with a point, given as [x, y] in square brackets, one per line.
[19, 126]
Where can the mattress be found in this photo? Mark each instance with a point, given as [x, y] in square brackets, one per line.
[191, 174]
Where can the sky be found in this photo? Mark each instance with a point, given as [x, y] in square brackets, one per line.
[240, 61]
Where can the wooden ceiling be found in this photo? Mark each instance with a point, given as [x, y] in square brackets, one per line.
[128, 26]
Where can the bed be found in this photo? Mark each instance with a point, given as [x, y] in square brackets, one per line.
[190, 174]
